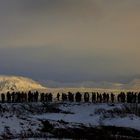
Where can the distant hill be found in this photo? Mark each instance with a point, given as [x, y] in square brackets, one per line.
[132, 85]
[18, 83]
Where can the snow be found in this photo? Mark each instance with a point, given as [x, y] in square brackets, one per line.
[16, 125]
[129, 122]
[24, 118]
[94, 115]
[18, 83]
[15, 121]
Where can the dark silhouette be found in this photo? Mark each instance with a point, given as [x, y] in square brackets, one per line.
[93, 97]
[8, 97]
[112, 97]
[64, 97]
[70, 97]
[3, 97]
[78, 97]
[58, 96]
[86, 97]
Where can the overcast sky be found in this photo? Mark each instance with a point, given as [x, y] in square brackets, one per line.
[70, 40]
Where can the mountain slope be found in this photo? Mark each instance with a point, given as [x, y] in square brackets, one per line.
[18, 83]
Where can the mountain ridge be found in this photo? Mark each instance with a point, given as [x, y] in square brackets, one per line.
[18, 83]
[132, 85]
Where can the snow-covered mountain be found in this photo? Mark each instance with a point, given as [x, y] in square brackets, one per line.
[18, 83]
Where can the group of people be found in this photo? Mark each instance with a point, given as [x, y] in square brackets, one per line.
[95, 97]
[17, 97]
[87, 97]
[129, 97]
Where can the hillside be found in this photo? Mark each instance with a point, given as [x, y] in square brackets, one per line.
[18, 83]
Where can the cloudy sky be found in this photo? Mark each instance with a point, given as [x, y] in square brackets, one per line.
[70, 40]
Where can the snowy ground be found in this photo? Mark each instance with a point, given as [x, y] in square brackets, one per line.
[31, 119]
[94, 115]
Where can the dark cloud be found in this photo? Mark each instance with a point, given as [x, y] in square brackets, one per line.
[70, 40]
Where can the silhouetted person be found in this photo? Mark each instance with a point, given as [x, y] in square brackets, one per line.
[134, 97]
[78, 97]
[112, 97]
[3, 97]
[25, 97]
[86, 97]
[58, 97]
[50, 97]
[13, 97]
[8, 97]
[64, 97]
[29, 96]
[36, 96]
[104, 97]
[93, 97]
[70, 97]
[42, 97]
[46, 97]
[100, 98]
[18, 97]
[129, 97]
[107, 97]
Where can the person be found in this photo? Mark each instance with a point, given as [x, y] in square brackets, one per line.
[42, 97]
[134, 97]
[29, 96]
[100, 98]
[8, 97]
[64, 97]
[25, 97]
[13, 97]
[70, 97]
[78, 97]
[86, 97]
[58, 96]
[118, 98]
[36, 96]
[93, 97]
[107, 97]
[22, 97]
[46, 97]
[18, 97]
[129, 97]
[104, 97]
[3, 97]
[50, 97]
[112, 97]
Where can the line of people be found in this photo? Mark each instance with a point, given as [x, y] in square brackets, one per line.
[17, 97]
[95, 97]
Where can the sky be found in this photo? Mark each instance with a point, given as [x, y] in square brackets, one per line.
[70, 40]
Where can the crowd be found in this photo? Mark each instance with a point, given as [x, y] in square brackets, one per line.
[95, 97]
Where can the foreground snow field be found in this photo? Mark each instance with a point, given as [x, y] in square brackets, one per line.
[43, 120]
[94, 115]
